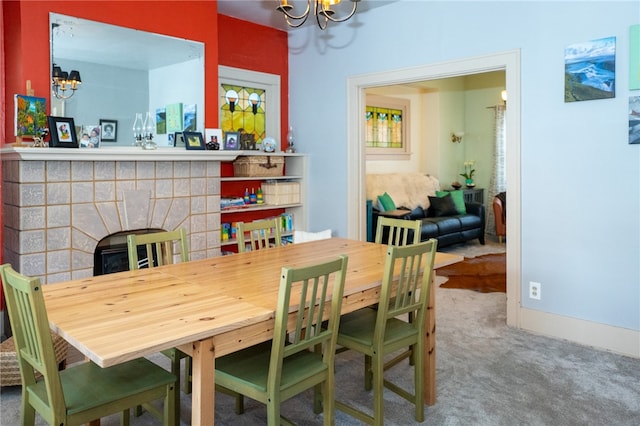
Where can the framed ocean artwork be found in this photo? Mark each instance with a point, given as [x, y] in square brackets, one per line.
[590, 70]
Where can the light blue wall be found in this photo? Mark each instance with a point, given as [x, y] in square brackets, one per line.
[580, 180]
[102, 95]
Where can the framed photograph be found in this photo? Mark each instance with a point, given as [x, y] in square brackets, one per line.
[231, 140]
[63, 132]
[89, 136]
[213, 137]
[178, 139]
[109, 130]
[193, 140]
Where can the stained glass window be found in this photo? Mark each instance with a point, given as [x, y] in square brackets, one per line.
[386, 124]
[243, 108]
[384, 127]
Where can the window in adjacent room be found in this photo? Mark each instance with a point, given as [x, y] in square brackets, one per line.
[386, 135]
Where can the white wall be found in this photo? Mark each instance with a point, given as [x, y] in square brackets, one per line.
[580, 179]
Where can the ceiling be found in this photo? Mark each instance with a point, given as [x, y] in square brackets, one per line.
[264, 12]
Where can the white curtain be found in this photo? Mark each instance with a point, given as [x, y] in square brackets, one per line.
[498, 181]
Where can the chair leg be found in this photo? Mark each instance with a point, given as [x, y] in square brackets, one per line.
[171, 405]
[188, 375]
[378, 390]
[418, 370]
[368, 373]
[273, 411]
[328, 402]
[318, 394]
[28, 412]
[124, 418]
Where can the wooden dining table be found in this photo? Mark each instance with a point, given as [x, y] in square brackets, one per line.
[209, 308]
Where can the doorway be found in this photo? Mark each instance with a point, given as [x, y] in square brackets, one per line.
[507, 61]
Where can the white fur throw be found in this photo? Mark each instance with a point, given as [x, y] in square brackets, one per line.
[408, 190]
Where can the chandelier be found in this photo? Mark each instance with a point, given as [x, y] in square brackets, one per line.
[321, 9]
[61, 81]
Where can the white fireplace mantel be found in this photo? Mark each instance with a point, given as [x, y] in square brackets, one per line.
[119, 154]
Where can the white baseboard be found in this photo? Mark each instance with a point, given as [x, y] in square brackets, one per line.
[619, 340]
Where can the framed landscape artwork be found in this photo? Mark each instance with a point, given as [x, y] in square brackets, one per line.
[590, 70]
[30, 115]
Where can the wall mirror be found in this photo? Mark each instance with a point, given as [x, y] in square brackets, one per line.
[124, 72]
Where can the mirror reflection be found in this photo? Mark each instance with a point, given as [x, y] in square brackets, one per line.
[125, 72]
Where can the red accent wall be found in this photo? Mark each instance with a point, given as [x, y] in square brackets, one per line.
[257, 48]
[228, 41]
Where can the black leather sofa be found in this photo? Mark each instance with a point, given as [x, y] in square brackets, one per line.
[447, 230]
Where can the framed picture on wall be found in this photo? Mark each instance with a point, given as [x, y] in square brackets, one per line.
[231, 140]
[109, 130]
[63, 132]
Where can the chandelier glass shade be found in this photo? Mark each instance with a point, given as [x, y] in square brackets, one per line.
[322, 10]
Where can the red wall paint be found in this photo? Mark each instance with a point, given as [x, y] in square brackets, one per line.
[25, 50]
[257, 48]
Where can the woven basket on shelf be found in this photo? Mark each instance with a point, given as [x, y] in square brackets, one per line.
[9, 369]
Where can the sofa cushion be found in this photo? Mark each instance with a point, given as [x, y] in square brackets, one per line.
[386, 202]
[458, 199]
[469, 221]
[417, 213]
[442, 206]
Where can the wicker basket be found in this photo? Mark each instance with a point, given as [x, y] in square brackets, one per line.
[259, 166]
[9, 368]
[279, 193]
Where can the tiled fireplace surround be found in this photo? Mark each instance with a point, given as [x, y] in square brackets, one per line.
[57, 211]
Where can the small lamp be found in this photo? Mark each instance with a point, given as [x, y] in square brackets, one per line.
[457, 137]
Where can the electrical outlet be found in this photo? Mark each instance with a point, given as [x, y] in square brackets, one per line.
[535, 290]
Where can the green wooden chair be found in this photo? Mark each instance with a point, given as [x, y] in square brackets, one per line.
[260, 234]
[399, 232]
[157, 249]
[302, 351]
[378, 333]
[82, 392]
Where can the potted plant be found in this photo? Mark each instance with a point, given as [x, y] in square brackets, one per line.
[468, 173]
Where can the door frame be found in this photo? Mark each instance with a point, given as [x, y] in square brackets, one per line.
[508, 61]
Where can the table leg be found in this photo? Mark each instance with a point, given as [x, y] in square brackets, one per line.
[203, 390]
[430, 347]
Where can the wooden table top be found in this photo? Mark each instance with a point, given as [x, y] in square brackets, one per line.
[118, 317]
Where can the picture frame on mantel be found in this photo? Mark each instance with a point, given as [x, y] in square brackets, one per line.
[193, 140]
[63, 132]
[231, 141]
[109, 130]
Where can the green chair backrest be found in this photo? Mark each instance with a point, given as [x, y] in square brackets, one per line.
[32, 338]
[409, 294]
[399, 232]
[303, 295]
[259, 234]
[157, 248]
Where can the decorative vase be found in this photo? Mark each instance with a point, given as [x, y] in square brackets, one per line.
[469, 183]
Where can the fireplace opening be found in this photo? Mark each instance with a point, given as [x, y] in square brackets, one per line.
[111, 254]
